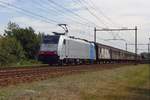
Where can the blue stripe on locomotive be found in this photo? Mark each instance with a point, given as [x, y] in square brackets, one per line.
[92, 53]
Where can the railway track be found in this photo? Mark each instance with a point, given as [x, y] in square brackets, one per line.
[12, 76]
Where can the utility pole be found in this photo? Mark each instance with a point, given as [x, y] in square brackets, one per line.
[123, 29]
[136, 43]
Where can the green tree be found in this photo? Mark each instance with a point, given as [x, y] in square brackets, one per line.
[27, 37]
[10, 51]
[11, 27]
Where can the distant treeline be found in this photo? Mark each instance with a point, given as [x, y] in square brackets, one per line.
[18, 45]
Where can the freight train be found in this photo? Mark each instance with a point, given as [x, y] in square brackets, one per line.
[61, 49]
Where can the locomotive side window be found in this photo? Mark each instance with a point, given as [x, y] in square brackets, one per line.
[64, 42]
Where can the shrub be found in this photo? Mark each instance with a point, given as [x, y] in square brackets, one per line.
[10, 51]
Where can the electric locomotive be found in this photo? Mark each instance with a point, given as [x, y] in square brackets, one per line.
[59, 49]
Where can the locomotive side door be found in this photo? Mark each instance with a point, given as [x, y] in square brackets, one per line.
[66, 45]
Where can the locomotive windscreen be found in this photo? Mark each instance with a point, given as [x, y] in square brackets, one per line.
[51, 39]
[50, 43]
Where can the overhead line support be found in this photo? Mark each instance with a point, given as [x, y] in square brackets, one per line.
[123, 29]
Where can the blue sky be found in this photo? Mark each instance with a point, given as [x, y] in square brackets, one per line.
[119, 13]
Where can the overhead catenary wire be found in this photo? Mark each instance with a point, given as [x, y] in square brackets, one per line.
[82, 3]
[92, 13]
[92, 5]
[29, 12]
[39, 6]
[61, 12]
[101, 39]
[74, 13]
[24, 11]
[68, 10]
[29, 15]
[107, 18]
[102, 13]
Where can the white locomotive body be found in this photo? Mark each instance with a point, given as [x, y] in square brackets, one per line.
[61, 48]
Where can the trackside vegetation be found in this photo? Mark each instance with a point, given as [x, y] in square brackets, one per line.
[124, 83]
[19, 46]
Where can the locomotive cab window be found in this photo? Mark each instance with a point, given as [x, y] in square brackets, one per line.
[50, 43]
[51, 39]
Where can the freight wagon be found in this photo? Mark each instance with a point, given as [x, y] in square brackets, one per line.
[108, 54]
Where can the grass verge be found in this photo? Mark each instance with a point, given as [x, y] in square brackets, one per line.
[23, 63]
[125, 83]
